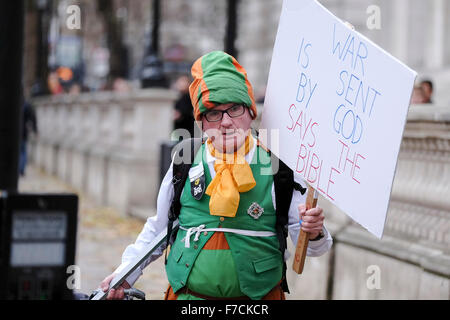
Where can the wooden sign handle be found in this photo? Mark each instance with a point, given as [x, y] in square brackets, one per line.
[303, 238]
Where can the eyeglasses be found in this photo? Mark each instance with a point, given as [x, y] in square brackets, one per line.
[217, 115]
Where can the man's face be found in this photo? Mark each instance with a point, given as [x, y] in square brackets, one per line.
[228, 135]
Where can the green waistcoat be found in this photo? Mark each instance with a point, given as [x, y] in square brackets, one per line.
[257, 260]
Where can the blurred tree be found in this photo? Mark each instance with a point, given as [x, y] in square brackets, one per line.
[230, 34]
[155, 28]
[114, 33]
[43, 17]
[152, 73]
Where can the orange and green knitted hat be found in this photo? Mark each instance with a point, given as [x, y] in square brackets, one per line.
[219, 79]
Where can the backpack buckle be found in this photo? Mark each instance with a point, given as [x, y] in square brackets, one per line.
[298, 187]
[176, 180]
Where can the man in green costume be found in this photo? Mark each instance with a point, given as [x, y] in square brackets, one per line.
[226, 247]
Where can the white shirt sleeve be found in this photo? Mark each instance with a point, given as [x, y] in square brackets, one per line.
[315, 248]
[153, 226]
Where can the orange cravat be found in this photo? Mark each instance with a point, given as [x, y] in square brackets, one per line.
[233, 175]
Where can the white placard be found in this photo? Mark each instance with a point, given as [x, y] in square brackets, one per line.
[339, 104]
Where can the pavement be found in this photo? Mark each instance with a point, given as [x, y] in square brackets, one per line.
[102, 236]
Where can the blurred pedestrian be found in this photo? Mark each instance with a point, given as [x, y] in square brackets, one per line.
[29, 125]
[417, 96]
[183, 111]
[427, 88]
[261, 95]
[54, 85]
[121, 85]
[75, 89]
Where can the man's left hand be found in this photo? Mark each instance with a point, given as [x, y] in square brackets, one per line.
[312, 220]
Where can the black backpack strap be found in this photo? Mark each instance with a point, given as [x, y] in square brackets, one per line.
[181, 164]
[284, 188]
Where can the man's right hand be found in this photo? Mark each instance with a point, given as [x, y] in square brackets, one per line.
[114, 294]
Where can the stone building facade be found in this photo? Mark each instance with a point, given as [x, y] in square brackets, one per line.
[417, 32]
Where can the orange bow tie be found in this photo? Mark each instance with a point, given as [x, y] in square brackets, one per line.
[233, 176]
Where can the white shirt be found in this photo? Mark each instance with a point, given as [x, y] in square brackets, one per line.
[158, 223]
